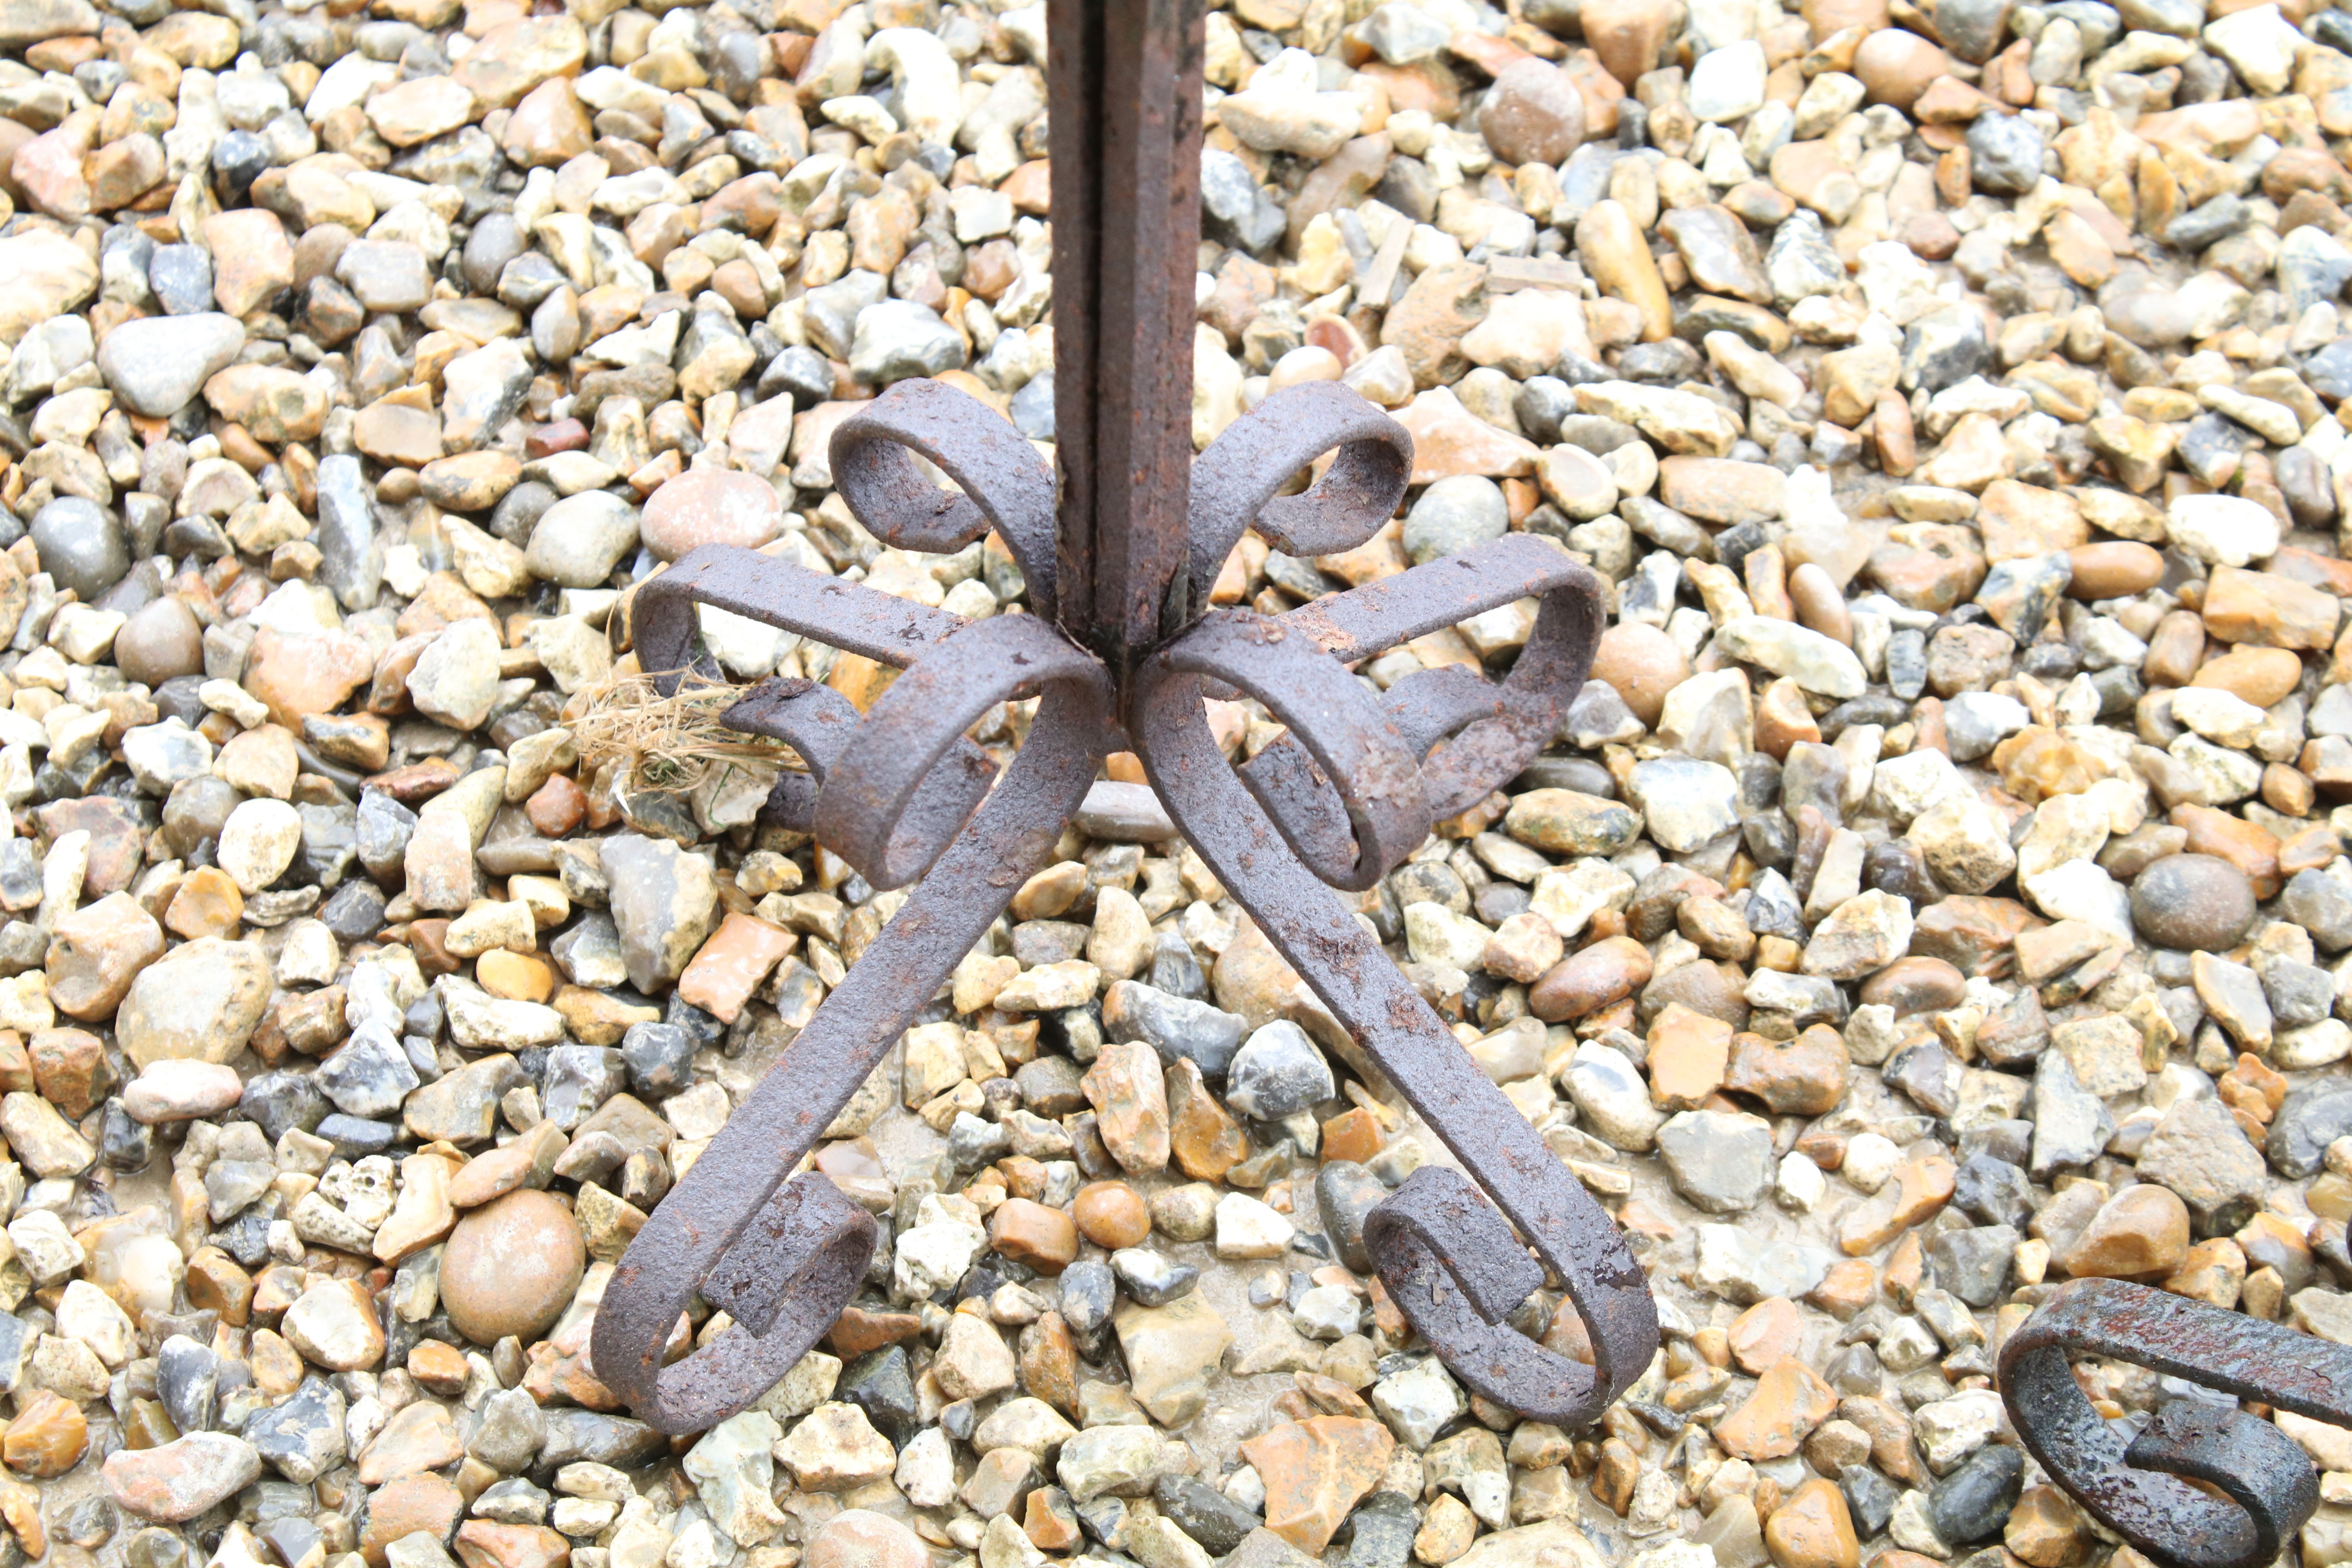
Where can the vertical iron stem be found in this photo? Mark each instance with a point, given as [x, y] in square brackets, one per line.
[1124, 79]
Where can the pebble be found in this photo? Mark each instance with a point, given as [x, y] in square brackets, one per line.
[156, 365]
[160, 642]
[1278, 1073]
[2192, 902]
[1454, 514]
[712, 506]
[181, 1478]
[1315, 1471]
[489, 1294]
[80, 546]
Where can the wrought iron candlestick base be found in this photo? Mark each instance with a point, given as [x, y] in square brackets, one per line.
[1351, 788]
[1122, 649]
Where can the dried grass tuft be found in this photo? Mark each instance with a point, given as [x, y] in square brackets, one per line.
[673, 744]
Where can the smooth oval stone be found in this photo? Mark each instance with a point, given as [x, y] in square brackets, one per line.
[512, 1267]
[81, 545]
[1895, 67]
[710, 505]
[156, 364]
[2193, 903]
[162, 640]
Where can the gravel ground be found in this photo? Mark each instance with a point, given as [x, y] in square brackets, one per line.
[1939, 892]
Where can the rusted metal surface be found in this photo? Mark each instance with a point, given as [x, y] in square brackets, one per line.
[1123, 79]
[1358, 788]
[1122, 656]
[2131, 1484]
[891, 792]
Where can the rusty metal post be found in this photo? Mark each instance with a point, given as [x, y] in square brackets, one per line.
[1125, 83]
[1121, 646]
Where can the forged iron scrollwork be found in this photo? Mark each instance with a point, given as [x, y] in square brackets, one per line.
[1352, 788]
[2140, 1486]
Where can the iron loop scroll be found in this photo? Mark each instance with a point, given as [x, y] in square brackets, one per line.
[1235, 480]
[1452, 1264]
[2135, 1487]
[792, 1253]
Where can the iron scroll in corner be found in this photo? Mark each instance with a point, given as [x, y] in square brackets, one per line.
[2140, 1486]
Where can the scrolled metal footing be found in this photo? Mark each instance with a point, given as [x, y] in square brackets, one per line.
[2135, 1487]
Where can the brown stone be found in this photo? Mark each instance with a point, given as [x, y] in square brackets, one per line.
[1895, 67]
[1616, 253]
[557, 806]
[514, 976]
[160, 640]
[2214, 1271]
[1048, 1362]
[1204, 1137]
[2262, 676]
[1627, 35]
[397, 435]
[69, 1067]
[1354, 1135]
[208, 903]
[1890, 1437]
[2141, 1232]
[252, 258]
[1315, 1471]
[511, 1265]
[548, 128]
[483, 1544]
[1788, 1402]
[2114, 568]
[274, 405]
[1828, 18]
[2020, 520]
[1591, 979]
[1688, 1054]
[1783, 720]
[1917, 984]
[413, 1504]
[2037, 763]
[439, 1368]
[731, 963]
[47, 1438]
[1804, 1077]
[860, 1538]
[1812, 1529]
[1765, 1335]
[95, 952]
[512, 57]
[710, 505]
[2175, 649]
[418, 1438]
[859, 1330]
[216, 1283]
[1427, 325]
[1049, 1521]
[2249, 846]
[1533, 114]
[1031, 1234]
[2267, 610]
[1920, 1188]
[1130, 1103]
[2045, 1531]
[1929, 566]
[1642, 664]
[1113, 1215]
[299, 676]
